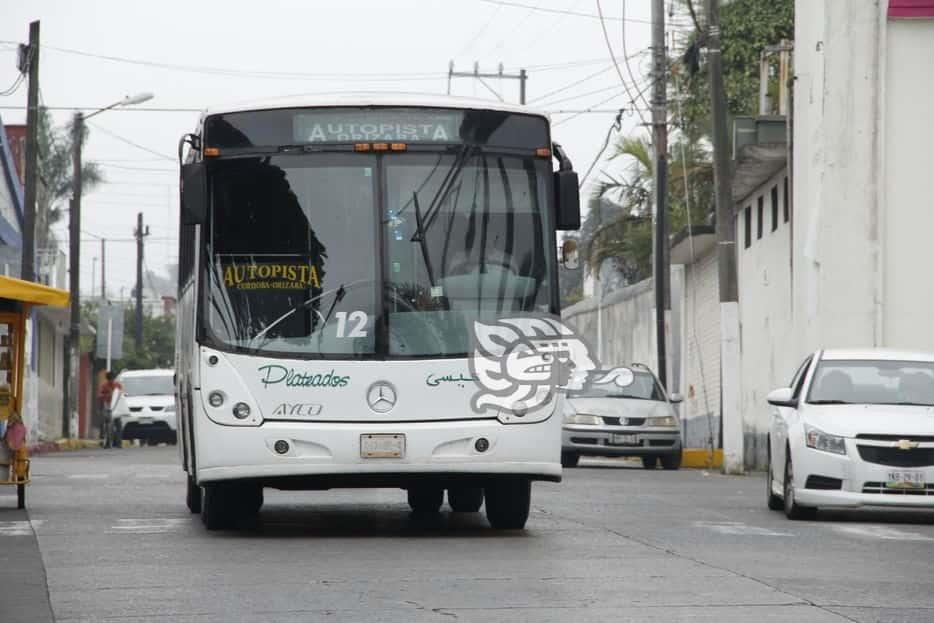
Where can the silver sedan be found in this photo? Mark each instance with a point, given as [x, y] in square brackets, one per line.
[608, 420]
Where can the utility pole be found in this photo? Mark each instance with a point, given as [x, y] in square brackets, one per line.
[476, 74]
[73, 337]
[660, 144]
[30, 63]
[731, 416]
[104, 269]
[140, 233]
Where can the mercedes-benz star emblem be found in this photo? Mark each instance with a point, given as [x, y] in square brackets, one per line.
[381, 397]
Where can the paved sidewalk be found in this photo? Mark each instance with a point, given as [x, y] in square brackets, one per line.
[24, 593]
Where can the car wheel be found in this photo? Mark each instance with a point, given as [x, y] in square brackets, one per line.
[570, 459]
[508, 502]
[671, 461]
[425, 499]
[793, 510]
[193, 496]
[173, 439]
[649, 462]
[774, 502]
[465, 499]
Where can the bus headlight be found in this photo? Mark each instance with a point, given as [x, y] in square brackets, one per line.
[215, 399]
[241, 410]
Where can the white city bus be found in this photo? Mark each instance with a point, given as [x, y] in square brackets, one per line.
[334, 256]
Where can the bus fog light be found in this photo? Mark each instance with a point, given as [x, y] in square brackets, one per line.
[215, 399]
[519, 409]
[241, 410]
[281, 446]
[482, 444]
[212, 360]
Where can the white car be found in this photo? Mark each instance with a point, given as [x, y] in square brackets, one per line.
[855, 428]
[145, 408]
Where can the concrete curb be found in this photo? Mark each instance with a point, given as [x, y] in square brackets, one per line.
[702, 458]
[60, 445]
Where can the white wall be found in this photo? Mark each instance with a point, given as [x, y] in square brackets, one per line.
[768, 358]
[908, 204]
[628, 325]
[836, 164]
[700, 386]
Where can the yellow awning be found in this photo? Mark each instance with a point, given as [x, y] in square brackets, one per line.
[33, 293]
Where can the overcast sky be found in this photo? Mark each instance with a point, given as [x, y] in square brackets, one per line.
[197, 54]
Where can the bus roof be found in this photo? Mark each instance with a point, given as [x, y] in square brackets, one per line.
[372, 99]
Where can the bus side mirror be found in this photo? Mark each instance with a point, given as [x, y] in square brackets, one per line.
[194, 195]
[568, 201]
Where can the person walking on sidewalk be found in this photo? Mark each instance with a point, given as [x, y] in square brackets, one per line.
[105, 394]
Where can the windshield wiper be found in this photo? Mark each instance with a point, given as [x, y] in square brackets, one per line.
[830, 402]
[419, 237]
[907, 403]
[340, 292]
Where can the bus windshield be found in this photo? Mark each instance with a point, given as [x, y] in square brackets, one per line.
[356, 254]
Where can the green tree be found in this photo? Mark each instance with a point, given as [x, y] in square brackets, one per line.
[55, 175]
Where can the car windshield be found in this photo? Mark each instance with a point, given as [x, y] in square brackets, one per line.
[154, 385]
[873, 382]
[643, 387]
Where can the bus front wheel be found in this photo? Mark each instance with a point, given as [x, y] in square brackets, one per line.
[465, 499]
[425, 499]
[508, 503]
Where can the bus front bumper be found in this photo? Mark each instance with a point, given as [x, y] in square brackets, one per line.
[321, 455]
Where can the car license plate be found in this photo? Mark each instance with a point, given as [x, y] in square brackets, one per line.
[145, 420]
[624, 440]
[382, 446]
[905, 480]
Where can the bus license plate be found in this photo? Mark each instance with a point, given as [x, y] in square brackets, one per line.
[382, 446]
[905, 480]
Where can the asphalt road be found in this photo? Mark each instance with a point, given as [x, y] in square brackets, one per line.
[612, 542]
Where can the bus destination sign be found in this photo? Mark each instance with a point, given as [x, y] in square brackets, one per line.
[405, 126]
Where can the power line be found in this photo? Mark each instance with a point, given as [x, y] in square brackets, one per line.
[13, 88]
[599, 72]
[625, 54]
[129, 142]
[578, 114]
[560, 11]
[609, 47]
[278, 75]
[617, 124]
[476, 36]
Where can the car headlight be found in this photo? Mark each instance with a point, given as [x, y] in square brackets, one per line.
[819, 440]
[580, 418]
[170, 408]
[667, 421]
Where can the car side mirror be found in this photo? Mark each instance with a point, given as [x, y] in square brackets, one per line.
[675, 398]
[194, 194]
[570, 256]
[783, 397]
[567, 201]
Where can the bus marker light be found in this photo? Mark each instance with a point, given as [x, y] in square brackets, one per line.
[543, 152]
[241, 410]
[380, 146]
[215, 399]
[281, 446]
[398, 146]
[361, 147]
[482, 444]
[211, 152]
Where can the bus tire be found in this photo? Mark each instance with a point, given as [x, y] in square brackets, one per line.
[20, 496]
[251, 500]
[425, 499]
[508, 502]
[465, 499]
[216, 507]
[193, 496]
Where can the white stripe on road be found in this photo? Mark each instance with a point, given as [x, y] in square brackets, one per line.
[881, 532]
[89, 476]
[737, 528]
[19, 528]
[149, 525]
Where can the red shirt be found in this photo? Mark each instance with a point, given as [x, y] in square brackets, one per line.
[15, 436]
[106, 392]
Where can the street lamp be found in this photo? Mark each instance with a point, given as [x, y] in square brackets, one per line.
[73, 337]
